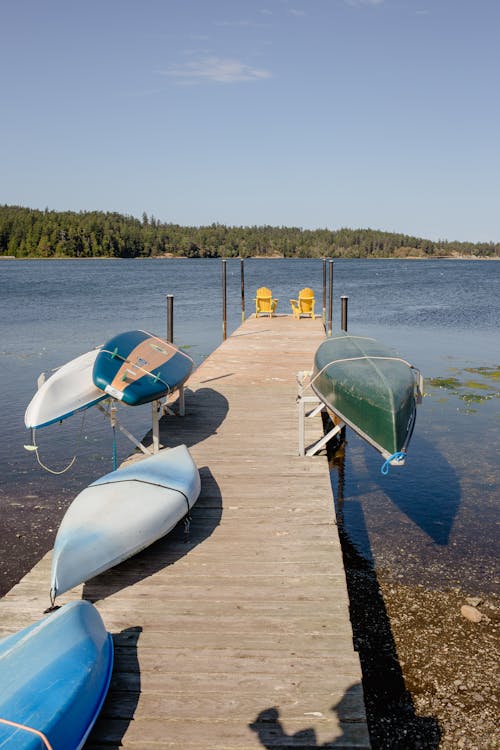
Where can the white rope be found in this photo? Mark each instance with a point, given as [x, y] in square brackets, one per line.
[34, 448]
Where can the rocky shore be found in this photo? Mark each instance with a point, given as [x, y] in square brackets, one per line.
[429, 660]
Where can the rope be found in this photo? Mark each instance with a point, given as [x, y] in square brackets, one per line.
[115, 458]
[398, 456]
[28, 729]
[34, 447]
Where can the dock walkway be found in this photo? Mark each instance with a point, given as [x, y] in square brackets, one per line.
[239, 637]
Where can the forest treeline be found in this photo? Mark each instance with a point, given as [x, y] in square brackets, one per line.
[31, 233]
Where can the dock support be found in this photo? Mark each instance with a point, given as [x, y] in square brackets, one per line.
[170, 318]
[242, 277]
[324, 291]
[303, 401]
[343, 312]
[224, 302]
[159, 409]
[330, 299]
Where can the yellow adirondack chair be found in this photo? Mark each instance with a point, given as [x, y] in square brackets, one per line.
[264, 302]
[304, 305]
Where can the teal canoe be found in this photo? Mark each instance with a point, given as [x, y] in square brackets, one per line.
[370, 388]
[54, 676]
[137, 367]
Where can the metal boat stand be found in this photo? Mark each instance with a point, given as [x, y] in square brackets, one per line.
[303, 382]
[159, 409]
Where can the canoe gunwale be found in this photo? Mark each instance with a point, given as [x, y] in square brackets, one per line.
[104, 692]
[383, 452]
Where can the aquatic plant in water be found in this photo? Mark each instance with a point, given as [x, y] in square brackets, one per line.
[469, 391]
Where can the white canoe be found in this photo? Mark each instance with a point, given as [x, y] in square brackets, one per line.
[69, 390]
[121, 514]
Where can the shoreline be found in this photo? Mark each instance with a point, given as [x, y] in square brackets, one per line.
[171, 256]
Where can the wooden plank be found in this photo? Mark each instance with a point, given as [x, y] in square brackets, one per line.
[240, 637]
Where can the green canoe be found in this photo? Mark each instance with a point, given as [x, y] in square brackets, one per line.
[370, 388]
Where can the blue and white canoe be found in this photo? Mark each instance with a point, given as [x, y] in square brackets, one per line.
[54, 676]
[137, 367]
[121, 514]
[70, 389]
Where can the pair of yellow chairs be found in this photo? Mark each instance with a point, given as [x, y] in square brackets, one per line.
[266, 304]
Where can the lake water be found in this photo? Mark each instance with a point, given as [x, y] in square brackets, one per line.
[434, 521]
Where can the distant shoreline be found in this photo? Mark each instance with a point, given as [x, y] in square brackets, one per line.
[254, 257]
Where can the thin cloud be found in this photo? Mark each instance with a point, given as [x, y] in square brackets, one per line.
[296, 12]
[365, 2]
[214, 70]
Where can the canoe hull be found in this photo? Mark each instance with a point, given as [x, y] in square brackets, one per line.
[54, 676]
[369, 387]
[68, 391]
[136, 367]
[122, 513]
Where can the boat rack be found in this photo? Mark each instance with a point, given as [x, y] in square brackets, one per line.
[159, 409]
[303, 402]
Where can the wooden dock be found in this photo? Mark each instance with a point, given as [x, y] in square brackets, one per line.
[239, 637]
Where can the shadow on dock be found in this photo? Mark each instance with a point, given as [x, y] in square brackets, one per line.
[206, 409]
[269, 728]
[123, 696]
[205, 515]
[391, 715]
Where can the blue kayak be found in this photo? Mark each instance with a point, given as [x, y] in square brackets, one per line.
[137, 367]
[54, 676]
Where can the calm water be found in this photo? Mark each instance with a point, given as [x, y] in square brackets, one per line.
[435, 521]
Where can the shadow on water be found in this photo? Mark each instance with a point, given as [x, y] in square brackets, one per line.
[427, 491]
[205, 517]
[123, 695]
[269, 728]
[392, 720]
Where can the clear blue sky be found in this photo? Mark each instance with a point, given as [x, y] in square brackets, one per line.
[310, 113]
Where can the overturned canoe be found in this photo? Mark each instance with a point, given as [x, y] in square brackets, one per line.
[370, 388]
[70, 389]
[54, 676]
[122, 513]
[137, 367]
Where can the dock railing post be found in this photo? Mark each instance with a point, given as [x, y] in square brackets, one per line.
[324, 291]
[343, 312]
[224, 301]
[242, 276]
[330, 298]
[170, 318]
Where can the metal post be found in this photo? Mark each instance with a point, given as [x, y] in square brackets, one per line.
[170, 318]
[343, 315]
[330, 298]
[242, 273]
[224, 302]
[324, 291]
